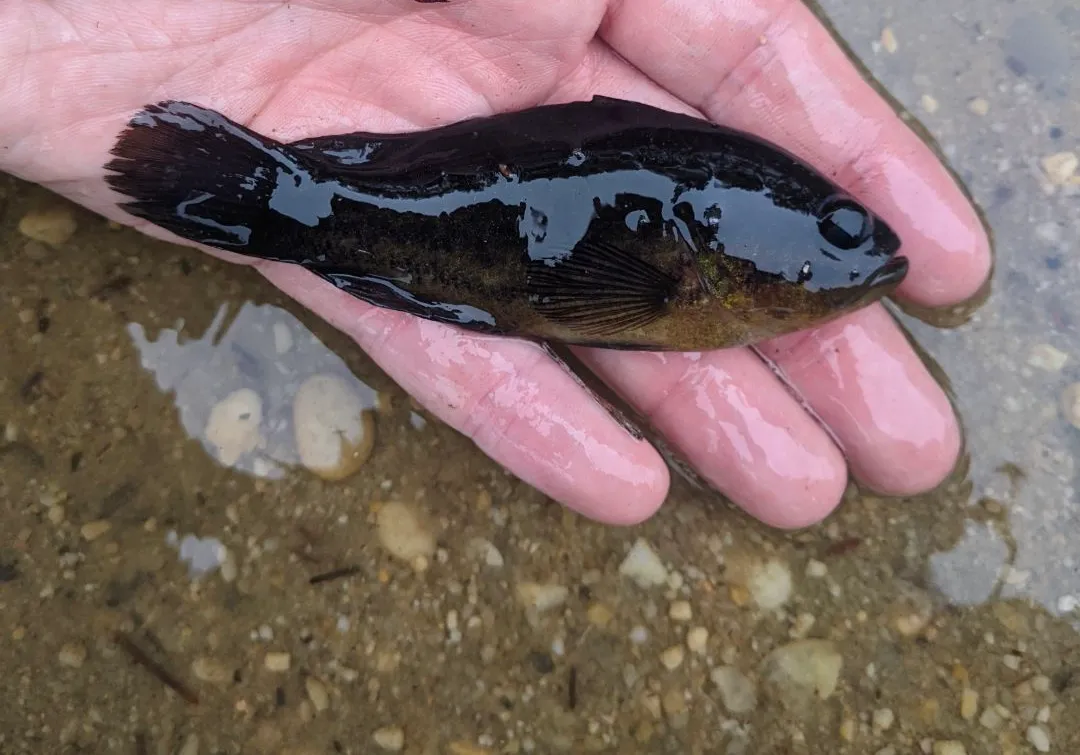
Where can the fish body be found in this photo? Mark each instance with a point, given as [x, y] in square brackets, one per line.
[603, 223]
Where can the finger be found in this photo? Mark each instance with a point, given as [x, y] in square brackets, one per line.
[860, 375]
[516, 404]
[734, 422]
[769, 67]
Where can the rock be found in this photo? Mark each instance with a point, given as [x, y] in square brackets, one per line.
[277, 662]
[929, 103]
[599, 615]
[54, 226]
[541, 597]
[1060, 168]
[804, 669]
[93, 530]
[233, 427]
[643, 566]
[737, 691]
[283, 338]
[209, 670]
[979, 106]
[390, 738]
[466, 748]
[882, 719]
[990, 718]
[1038, 738]
[72, 655]
[1043, 356]
[816, 569]
[403, 533]
[190, 745]
[335, 432]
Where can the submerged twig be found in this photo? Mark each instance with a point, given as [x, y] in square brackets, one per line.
[345, 571]
[155, 668]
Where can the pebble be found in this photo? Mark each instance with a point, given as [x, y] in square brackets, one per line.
[697, 640]
[673, 657]
[816, 569]
[929, 103]
[805, 666]
[56, 514]
[882, 719]
[979, 106]
[680, 610]
[1038, 738]
[599, 615]
[316, 692]
[72, 655]
[209, 670]
[1043, 356]
[1060, 168]
[767, 583]
[1011, 661]
[990, 718]
[541, 597]
[277, 662]
[1070, 404]
[674, 706]
[737, 691]
[465, 748]
[888, 40]
[233, 425]
[949, 747]
[485, 551]
[335, 432]
[283, 339]
[93, 530]
[53, 226]
[390, 738]
[402, 532]
[969, 703]
[643, 566]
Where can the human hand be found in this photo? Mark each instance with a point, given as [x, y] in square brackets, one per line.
[75, 71]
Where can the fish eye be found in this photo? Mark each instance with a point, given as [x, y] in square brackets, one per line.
[844, 224]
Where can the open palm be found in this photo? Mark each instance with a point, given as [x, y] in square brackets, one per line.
[74, 71]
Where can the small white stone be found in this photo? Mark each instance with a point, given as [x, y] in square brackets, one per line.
[737, 691]
[542, 597]
[403, 533]
[643, 566]
[990, 718]
[190, 745]
[949, 747]
[283, 339]
[1060, 167]
[639, 635]
[697, 640]
[680, 610]
[277, 662]
[317, 693]
[969, 703]
[233, 426]
[390, 738]
[1043, 356]
[72, 655]
[770, 585]
[52, 226]
[335, 432]
[485, 550]
[816, 569]
[1011, 661]
[806, 666]
[929, 103]
[672, 658]
[1038, 738]
[883, 719]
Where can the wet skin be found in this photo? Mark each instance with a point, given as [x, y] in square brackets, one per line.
[602, 223]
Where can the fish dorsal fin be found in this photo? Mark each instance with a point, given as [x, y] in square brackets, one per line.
[599, 289]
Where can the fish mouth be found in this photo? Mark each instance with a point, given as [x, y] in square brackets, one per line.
[892, 273]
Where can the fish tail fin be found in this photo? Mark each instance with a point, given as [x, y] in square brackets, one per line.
[208, 179]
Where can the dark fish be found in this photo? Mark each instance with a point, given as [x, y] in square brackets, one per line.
[604, 223]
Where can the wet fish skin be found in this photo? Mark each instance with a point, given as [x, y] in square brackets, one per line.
[603, 223]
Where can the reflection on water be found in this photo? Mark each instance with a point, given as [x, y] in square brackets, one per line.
[237, 387]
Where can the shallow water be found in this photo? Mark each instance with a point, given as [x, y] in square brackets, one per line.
[953, 616]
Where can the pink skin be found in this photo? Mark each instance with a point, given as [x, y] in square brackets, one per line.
[308, 68]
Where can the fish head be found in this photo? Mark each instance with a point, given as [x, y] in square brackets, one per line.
[784, 248]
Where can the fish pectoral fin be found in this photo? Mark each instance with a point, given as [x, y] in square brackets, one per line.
[386, 293]
[599, 289]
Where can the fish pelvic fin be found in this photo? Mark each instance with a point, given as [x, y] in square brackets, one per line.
[207, 179]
